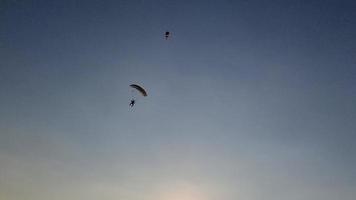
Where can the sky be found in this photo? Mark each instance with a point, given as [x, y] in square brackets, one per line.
[247, 100]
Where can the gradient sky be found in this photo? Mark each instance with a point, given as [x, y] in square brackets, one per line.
[248, 100]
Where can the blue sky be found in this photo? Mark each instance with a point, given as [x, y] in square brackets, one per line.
[247, 100]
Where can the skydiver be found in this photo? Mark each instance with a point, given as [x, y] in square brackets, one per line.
[132, 103]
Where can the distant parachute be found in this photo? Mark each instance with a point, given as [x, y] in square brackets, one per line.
[167, 34]
[140, 89]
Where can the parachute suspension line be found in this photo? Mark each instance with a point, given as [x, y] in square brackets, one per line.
[133, 95]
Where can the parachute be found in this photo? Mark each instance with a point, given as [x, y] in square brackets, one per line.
[140, 89]
[167, 34]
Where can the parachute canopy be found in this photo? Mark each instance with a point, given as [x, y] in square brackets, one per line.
[139, 88]
[167, 34]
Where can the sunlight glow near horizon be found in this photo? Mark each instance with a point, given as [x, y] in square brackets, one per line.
[181, 191]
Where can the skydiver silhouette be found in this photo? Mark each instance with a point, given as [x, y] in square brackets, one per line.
[132, 103]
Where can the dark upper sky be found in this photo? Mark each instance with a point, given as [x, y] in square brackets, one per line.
[247, 100]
